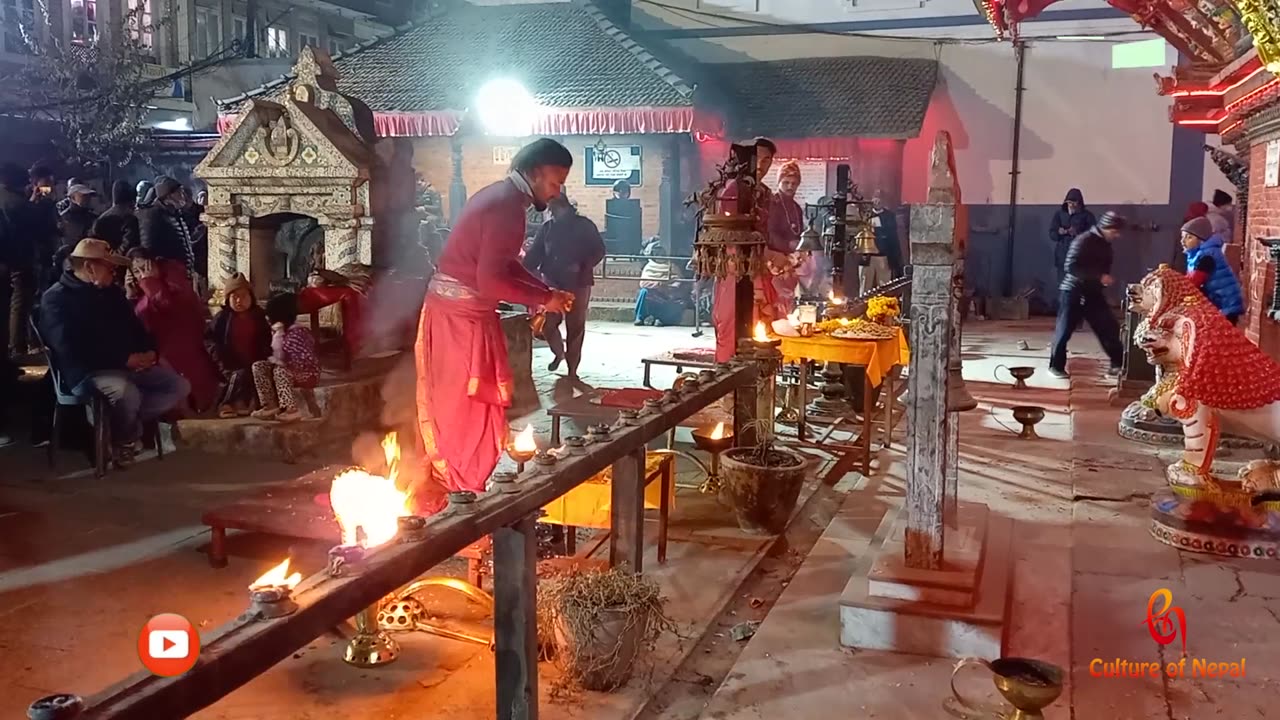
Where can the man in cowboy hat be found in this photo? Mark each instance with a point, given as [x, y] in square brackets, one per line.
[98, 345]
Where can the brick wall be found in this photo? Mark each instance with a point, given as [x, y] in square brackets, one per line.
[1259, 273]
[432, 159]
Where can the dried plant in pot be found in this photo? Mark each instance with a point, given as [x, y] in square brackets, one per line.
[604, 622]
[762, 483]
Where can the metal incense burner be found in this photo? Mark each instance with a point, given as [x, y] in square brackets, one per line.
[599, 433]
[504, 482]
[1029, 686]
[1020, 375]
[652, 406]
[627, 416]
[575, 445]
[704, 440]
[544, 461]
[411, 529]
[56, 707]
[462, 501]
[1028, 416]
[370, 646]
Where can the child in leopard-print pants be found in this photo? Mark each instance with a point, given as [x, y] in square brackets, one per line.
[293, 363]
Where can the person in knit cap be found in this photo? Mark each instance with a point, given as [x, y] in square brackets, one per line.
[1208, 269]
[1086, 272]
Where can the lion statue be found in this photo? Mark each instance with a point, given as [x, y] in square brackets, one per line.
[1220, 380]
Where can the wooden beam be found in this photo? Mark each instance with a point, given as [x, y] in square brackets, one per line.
[239, 651]
[515, 620]
[626, 536]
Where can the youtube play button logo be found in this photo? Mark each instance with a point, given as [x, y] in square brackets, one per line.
[168, 645]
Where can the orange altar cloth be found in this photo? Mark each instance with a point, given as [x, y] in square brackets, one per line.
[877, 356]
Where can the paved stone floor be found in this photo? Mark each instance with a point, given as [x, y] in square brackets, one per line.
[84, 562]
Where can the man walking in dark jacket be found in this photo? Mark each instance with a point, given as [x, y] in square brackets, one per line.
[163, 227]
[565, 252]
[1087, 270]
[119, 225]
[1069, 221]
[99, 346]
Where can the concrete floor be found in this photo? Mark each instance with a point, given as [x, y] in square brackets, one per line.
[83, 564]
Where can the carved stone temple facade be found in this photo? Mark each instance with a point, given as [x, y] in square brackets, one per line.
[307, 154]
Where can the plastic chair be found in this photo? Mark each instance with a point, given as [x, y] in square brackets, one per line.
[64, 401]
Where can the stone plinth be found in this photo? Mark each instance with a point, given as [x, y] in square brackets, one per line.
[958, 610]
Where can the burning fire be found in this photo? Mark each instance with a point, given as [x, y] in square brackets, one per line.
[831, 298]
[368, 506]
[718, 432]
[524, 442]
[275, 577]
[761, 334]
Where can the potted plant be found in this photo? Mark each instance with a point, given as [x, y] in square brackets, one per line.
[603, 621]
[762, 483]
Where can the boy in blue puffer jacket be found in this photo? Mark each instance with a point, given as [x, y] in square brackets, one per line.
[1208, 269]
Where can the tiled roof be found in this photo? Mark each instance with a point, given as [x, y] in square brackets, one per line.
[827, 97]
[567, 54]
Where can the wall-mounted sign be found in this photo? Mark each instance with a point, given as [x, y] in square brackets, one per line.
[1272, 176]
[605, 165]
[502, 154]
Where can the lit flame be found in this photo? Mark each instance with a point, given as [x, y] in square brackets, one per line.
[760, 335]
[831, 298]
[368, 506]
[718, 432]
[275, 577]
[524, 442]
[845, 322]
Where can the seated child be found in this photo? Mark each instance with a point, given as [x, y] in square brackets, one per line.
[1208, 269]
[293, 362]
[239, 337]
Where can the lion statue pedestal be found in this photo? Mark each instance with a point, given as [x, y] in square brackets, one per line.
[1214, 380]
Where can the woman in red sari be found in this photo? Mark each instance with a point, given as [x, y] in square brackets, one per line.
[464, 380]
[766, 296]
[175, 317]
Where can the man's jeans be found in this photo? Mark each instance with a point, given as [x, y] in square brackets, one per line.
[135, 397]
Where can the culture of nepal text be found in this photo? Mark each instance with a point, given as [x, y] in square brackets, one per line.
[1198, 667]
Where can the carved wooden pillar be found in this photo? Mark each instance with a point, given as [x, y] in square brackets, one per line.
[669, 194]
[457, 188]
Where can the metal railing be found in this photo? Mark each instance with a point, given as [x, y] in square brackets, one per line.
[237, 652]
[634, 265]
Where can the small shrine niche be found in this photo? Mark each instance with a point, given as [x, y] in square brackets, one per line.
[289, 185]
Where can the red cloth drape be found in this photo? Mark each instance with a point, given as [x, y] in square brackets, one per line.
[464, 389]
[351, 305]
[174, 315]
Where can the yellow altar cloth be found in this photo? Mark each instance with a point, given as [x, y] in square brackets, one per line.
[877, 356]
[588, 505]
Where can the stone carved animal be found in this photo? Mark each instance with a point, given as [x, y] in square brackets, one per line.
[1220, 379]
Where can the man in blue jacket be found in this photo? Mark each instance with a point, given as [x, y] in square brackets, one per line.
[1208, 269]
[99, 346]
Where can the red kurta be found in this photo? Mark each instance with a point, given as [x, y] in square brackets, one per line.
[464, 379]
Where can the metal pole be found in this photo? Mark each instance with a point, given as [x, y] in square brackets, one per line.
[1019, 54]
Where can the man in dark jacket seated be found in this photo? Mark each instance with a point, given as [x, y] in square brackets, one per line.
[99, 345]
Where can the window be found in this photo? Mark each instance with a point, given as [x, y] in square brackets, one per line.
[16, 16]
[140, 22]
[307, 40]
[239, 28]
[336, 44]
[84, 21]
[208, 32]
[277, 42]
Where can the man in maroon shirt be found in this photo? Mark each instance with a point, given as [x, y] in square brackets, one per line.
[464, 381]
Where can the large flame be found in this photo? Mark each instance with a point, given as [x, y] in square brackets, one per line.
[367, 506]
[761, 334]
[524, 442]
[718, 432]
[275, 577]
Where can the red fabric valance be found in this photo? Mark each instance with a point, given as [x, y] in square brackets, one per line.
[829, 148]
[551, 121]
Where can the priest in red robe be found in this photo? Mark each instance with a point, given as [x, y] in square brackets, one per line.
[786, 222]
[464, 381]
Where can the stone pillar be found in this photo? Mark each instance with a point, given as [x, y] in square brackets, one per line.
[932, 472]
[341, 241]
[669, 194]
[457, 188]
[927, 414]
[222, 252]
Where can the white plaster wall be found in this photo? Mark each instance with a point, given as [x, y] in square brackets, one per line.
[1084, 124]
[1213, 177]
